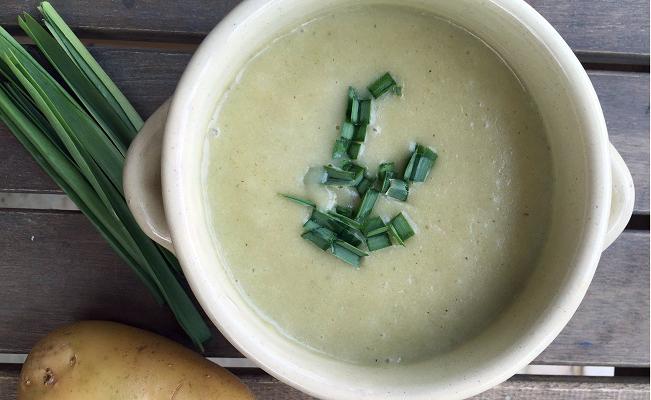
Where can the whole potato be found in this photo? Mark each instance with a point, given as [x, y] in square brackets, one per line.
[104, 360]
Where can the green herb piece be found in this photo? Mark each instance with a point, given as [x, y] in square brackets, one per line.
[420, 164]
[347, 253]
[358, 170]
[365, 111]
[298, 200]
[346, 229]
[322, 237]
[79, 136]
[364, 185]
[368, 202]
[372, 224]
[377, 231]
[378, 241]
[352, 110]
[397, 90]
[386, 172]
[382, 85]
[349, 222]
[354, 149]
[360, 132]
[398, 189]
[341, 148]
[346, 211]
[338, 177]
[310, 225]
[347, 130]
[400, 229]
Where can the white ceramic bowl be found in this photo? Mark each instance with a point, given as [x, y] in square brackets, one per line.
[588, 174]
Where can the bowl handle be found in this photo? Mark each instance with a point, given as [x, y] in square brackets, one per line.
[142, 179]
[622, 200]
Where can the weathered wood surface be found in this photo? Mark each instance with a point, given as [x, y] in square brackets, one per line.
[55, 269]
[265, 387]
[587, 25]
[149, 77]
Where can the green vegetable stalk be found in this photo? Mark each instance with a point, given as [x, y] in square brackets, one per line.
[79, 135]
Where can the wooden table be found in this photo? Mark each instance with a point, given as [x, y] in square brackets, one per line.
[55, 269]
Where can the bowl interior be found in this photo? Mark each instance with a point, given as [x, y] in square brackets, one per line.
[581, 199]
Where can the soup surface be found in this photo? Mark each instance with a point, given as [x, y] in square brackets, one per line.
[481, 217]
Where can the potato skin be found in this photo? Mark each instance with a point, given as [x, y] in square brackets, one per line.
[105, 360]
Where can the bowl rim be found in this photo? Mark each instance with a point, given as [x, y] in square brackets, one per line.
[566, 303]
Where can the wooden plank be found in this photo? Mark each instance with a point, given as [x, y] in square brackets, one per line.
[55, 269]
[606, 26]
[148, 77]
[519, 387]
[611, 326]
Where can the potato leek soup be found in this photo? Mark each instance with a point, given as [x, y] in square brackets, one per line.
[473, 220]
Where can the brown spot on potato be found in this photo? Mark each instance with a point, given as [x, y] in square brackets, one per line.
[73, 360]
[48, 377]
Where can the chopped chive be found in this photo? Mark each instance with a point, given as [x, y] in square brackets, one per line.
[354, 149]
[365, 111]
[358, 170]
[347, 130]
[398, 189]
[420, 164]
[368, 202]
[349, 222]
[377, 231]
[394, 235]
[345, 228]
[382, 85]
[379, 241]
[401, 228]
[341, 148]
[345, 211]
[342, 252]
[372, 224]
[322, 237]
[351, 248]
[310, 225]
[364, 185]
[338, 177]
[386, 172]
[360, 132]
[352, 110]
[298, 200]
[397, 90]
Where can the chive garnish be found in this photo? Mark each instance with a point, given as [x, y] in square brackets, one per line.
[341, 148]
[345, 211]
[398, 189]
[386, 172]
[348, 222]
[420, 163]
[365, 111]
[358, 170]
[360, 132]
[347, 130]
[382, 85]
[338, 177]
[347, 253]
[379, 241]
[364, 185]
[322, 237]
[372, 224]
[400, 229]
[298, 200]
[352, 111]
[377, 231]
[368, 202]
[354, 149]
[347, 230]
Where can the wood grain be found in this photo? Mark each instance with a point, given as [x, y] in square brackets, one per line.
[55, 269]
[148, 78]
[596, 26]
[264, 387]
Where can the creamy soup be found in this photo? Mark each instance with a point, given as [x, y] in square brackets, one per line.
[480, 218]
